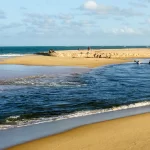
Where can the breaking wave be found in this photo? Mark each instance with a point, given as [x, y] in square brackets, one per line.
[16, 121]
[48, 94]
[10, 55]
[43, 80]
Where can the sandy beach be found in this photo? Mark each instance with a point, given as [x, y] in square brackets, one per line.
[61, 61]
[74, 75]
[84, 58]
[130, 133]
[105, 53]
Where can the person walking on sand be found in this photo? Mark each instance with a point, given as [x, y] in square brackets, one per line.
[89, 48]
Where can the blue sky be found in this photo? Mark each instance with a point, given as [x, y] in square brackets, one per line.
[74, 22]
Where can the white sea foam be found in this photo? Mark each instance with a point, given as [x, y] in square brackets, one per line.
[10, 55]
[73, 115]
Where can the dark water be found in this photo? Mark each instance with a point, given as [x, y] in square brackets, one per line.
[14, 51]
[54, 93]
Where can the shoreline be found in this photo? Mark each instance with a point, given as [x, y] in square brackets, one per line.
[38, 60]
[80, 58]
[105, 134]
[37, 132]
[49, 141]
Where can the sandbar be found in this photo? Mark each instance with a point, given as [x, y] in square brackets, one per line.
[61, 61]
[81, 58]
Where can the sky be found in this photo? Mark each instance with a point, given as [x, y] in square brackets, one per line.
[74, 22]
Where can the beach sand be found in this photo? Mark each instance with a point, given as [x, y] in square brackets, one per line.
[61, 61]
[105, 53]
[79, 58]
[129, 133]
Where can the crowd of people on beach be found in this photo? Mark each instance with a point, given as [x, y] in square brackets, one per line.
[89, 53]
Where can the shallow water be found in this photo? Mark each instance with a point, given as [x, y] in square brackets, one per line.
[31, 95]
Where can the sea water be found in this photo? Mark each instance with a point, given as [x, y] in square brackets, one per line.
[36, 94]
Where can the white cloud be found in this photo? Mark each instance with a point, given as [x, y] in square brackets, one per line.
[38, 20]
[94, 7]
[82, 23]
[38, 24]
[91, 7]
[43, 23]
[66, 18]
[124, 31]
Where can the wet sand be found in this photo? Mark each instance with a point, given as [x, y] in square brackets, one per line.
[129, 133]
[62, 61]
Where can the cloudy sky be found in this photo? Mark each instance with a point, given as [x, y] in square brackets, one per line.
[74, 22]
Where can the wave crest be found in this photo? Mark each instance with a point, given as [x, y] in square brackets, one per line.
[13, 121]
[10, 55]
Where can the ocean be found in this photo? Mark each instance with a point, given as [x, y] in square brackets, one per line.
[36, 94]
[21, 50]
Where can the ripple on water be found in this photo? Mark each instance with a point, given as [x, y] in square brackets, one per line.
[46, 97]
